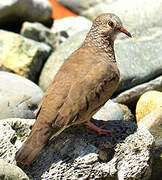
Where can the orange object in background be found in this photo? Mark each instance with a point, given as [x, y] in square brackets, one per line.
[59, 12]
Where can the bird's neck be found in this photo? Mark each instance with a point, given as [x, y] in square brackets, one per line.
[102, 43]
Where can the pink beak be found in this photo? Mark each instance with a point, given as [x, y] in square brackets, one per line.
[125, 32]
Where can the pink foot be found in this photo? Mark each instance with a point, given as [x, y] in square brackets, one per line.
[99, 130]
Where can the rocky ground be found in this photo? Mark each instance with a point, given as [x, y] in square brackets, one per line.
[33, 47]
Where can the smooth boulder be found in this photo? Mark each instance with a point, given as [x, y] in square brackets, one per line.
[19, 97]
[131, 96]
[148, 102]
[11, 172]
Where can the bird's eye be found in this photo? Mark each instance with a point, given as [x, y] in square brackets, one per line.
[111, 24]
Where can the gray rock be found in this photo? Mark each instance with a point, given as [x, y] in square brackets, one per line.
[19, 97]
[139, 60]
[78, 6]
[68, 26]
[114, 111]
[76, 153]
[21, 10]
[11, 172]
[110, 111]
[135, 66]
[131, 95]
[58, 57]
[13, 131]
[157, 160]
[40, 33]
[153, 123]
[127, 114]
[135, 14]
[21, 55]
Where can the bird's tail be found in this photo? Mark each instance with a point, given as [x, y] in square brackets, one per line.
[33, 145]
[26, 154]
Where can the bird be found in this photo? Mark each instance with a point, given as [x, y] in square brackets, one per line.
[83, 84]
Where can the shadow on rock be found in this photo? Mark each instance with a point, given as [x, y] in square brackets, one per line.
[77, 146]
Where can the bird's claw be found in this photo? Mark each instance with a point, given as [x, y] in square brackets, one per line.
[99, 130]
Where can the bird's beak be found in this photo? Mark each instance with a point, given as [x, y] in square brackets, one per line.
[123, 30]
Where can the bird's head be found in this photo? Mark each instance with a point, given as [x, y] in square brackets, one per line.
[108, 25]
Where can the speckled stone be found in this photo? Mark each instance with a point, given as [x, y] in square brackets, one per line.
[21, 55]
[13, 132]
[69, 26]
[40, 33]
[74, 154]
[127, 114]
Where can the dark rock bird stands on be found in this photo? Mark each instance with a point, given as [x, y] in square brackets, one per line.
[81, 87]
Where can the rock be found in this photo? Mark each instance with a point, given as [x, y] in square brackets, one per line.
[19, 97]
[153, 123]
[21, 55]
[13, 131]
[58, 57]
[148, 102]
[76, 6]
[157, 160]
[15, 11]
[131, 95]
[68, 26]
[10, 171]
[74, 154]
[135, 66]
[110, 111]
[134, 13]
[40, 33]
[127, 114]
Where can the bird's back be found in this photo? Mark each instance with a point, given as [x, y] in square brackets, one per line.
[73, 71]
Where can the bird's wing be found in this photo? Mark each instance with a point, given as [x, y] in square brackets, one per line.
[83, 93]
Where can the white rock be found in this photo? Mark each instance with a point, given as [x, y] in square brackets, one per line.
[68, 26]
[13, 130]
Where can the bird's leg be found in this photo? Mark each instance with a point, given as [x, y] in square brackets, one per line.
[99, 130]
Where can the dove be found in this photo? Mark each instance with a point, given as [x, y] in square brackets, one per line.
[83, 84]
